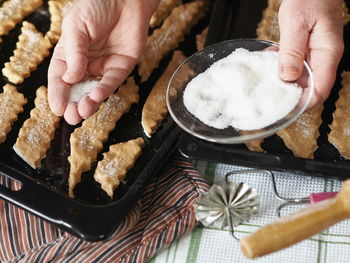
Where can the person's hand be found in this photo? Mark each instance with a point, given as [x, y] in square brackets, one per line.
[311, 30]
[99, 39]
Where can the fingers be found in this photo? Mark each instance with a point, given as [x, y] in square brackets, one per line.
[114, 70]
[325, 51]
[108, 84]
[71, 115]
[89, 104]
[112, 79]
[294, 34]
[75, 41]
[87, 107]
[58, 90]
[68, 65]
[323, 63]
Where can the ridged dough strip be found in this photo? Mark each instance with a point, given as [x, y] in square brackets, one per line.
[116, 162]
[87, 141]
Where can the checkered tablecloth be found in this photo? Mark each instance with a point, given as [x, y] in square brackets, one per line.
[210, 245]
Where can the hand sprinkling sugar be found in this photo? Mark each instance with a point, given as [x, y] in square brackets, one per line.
[99, 38]
[242, 90]
[81, 89]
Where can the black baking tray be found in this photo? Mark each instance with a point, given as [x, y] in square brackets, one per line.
[239, 19]
[92, 215]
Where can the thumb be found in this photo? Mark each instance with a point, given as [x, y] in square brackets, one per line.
[75, 40]
[293, 44]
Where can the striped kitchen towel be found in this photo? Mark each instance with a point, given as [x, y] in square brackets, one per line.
[162, 214]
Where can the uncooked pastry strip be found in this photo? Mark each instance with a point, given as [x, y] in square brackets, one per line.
[37, 132]
[301, 136]
[155, 108]
[116, 162]
[200, 39]
[268, 28]
[13, 11]
[57, 9]
[255, 145]
[11, 104]
[87, 141]
[168, 36]
[163, 10]
[340, 128]
[31, 49]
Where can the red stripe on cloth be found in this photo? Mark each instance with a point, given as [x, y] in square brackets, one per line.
[52, 252]
[170, 199]
[25, 239]
[17, 230]
[34, 231]
[162, 214]
[170, 218]
[130, 221]
[5, 240]
[48, 232]
[16, 186]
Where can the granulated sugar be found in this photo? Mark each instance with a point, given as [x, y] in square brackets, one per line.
[242, 90]
[79, 90]
[32, 37]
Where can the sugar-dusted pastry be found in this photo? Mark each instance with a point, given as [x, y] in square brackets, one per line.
[31, 49]
[340, 128]
[87, 141]
[13, 11]
[116, 162]
[301, 136]
[37, 132]
[57, 9]
[169, 35]
[11, 104]
[155, 108]
[268, 28]
[200, 39]
[163, 10]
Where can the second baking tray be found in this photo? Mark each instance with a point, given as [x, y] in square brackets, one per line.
[239, 19]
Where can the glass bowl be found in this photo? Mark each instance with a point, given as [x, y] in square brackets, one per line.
[202, 60]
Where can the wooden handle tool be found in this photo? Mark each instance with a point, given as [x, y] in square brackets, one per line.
[298, 226]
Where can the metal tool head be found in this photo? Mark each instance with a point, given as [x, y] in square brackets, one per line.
[227, 205]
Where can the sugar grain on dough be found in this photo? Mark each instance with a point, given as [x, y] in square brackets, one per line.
[242, 90]
[79, 90]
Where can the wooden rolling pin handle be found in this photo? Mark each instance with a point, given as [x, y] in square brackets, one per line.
[298, 226]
